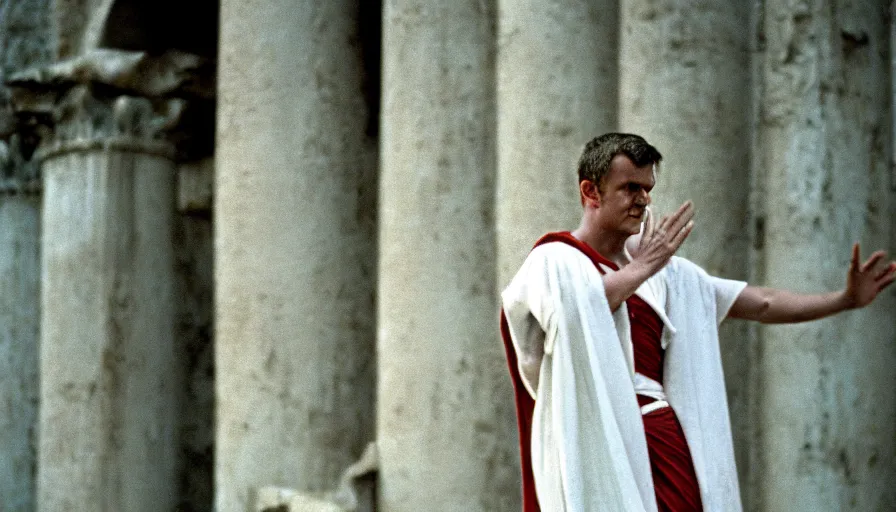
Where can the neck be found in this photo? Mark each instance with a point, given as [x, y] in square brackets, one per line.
[610, 245]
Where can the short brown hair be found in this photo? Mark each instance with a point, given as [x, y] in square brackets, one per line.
[594, 164]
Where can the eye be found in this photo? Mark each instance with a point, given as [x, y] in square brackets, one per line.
[634, 187]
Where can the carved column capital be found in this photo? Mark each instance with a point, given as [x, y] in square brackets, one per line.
[84, 120]
[108, 99]
[18, 174]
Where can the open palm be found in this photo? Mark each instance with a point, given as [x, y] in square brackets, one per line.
[865, 281]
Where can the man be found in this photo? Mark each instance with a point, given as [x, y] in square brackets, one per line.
[613, 348]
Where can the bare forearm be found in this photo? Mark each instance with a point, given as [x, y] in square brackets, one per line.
[621, 285]
[773, 306]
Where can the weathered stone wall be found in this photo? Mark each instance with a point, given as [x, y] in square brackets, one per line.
[24, 41]
[828, 408]
[445, 425]
[685, 86]
[19, 319]
[295, 249]
[556, 88]
[25, 33]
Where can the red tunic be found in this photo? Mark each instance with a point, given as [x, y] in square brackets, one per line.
[674, 478]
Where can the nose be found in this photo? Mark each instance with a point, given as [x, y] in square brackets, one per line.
[643, 198]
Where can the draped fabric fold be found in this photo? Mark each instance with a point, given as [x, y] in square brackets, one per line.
[572, 365]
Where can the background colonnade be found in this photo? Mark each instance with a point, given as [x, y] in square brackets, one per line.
[336, 205]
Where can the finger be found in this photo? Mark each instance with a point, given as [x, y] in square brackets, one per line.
[667, 225]
[646, 230]
[878, 270]
[887, 281]
[682, 235]
[649, 224]
[872, 261]
[682, 221]
[682, 210]
[662, 227]
[854, 263]
[885, 271]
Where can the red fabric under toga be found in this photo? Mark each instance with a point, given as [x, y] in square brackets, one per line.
[674, 478]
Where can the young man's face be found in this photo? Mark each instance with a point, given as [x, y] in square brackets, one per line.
[624, 196]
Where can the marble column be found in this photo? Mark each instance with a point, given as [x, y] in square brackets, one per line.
[19, 321]
[24, 35]
[829, 408]
[295, 250]
[556, 89]
[107, 438]
[685, 86]
[445, 423]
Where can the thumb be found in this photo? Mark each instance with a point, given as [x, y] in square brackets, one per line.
[649, 225]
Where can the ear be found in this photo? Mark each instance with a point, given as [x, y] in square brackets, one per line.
[590, 195]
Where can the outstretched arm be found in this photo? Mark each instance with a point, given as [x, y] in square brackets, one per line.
[863, 283]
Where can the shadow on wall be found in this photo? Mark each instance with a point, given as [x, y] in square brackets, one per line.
[163, 25]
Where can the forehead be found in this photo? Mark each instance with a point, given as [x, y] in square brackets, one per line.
[623, 170]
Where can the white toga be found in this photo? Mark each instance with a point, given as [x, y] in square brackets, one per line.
[576, 359]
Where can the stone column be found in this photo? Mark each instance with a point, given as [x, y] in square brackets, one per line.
[685, 86]
[108, 411]
[24, 34]
[19, 321]
[108, 374]
[445, 423]
[829, 406]
[295, 249]
[556, 89]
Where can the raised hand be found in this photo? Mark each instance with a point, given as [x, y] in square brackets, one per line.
[659, 241]
[864, 282]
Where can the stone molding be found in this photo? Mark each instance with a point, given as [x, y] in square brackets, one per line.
[17, 175]
[85, 121]
[107, 100]
[349, 496]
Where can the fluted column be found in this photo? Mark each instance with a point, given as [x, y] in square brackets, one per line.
[685, 86]
[829, 406]
[556, 89]
[107, 438]
[19, 321]
[295, 254]
[445, 426]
